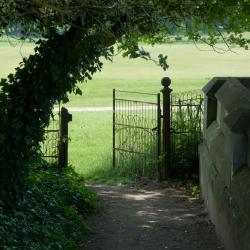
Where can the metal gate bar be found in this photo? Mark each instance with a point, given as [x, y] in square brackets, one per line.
[139, 138]
[136, 131]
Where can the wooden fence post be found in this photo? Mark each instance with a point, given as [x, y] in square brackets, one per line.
[65, 118]
[166, 92]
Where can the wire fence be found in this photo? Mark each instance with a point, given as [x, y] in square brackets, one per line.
[50, 145]
[186, 131]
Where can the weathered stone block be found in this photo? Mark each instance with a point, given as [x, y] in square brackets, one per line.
[225, 159]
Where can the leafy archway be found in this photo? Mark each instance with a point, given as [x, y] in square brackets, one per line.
[74, 35]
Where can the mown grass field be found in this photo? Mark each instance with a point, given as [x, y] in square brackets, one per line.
[190, 68]
[90, 148]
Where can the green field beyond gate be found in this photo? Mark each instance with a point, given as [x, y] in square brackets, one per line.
[141, 144]
[191, 67]
[90, 145]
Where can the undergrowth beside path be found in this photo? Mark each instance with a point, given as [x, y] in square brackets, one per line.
[50, 214]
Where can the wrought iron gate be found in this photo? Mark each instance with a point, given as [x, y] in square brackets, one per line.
[136, 131]
[139, 143]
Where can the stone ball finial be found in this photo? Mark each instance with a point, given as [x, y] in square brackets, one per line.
[165, 81]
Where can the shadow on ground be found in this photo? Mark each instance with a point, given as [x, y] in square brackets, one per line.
[153, 219]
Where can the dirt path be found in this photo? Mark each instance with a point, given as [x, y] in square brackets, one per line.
[102, 109]
[87, 109]
[155, 219]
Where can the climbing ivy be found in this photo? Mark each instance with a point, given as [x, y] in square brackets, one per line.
[75, 34]
[60, 60]
[27, 98]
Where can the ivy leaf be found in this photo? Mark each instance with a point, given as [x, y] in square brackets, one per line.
[163, 62]
[78, 91]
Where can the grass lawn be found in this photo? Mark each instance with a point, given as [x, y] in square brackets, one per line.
[190, 68]
[90, 149]
[11, 54]
[90, 146]
[90, 138]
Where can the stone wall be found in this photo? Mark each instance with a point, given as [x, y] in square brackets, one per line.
[225, 159]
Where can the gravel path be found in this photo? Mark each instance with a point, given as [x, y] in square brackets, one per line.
[152, 219]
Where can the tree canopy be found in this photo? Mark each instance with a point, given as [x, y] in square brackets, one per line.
[74, 34]
[132, 19]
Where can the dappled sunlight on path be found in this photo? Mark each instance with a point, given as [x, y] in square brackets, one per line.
[137, 219]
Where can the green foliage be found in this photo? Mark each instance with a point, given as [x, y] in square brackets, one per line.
[196, 191]
[75, 35]
[128, 171]
[186, 133]
[49, 215]
[28, 96]
[27, 99]
[190, 186]
[185, 149]
[154, 20]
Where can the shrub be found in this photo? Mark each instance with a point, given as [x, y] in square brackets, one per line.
[186, 133]
[49, 215]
